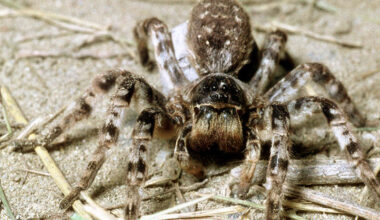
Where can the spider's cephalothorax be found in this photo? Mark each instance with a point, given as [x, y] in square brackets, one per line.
[203, 97]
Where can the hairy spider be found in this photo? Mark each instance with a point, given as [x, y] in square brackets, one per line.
[206, 104]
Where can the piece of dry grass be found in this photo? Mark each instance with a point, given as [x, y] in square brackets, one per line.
[332, 202]
[8, 126]
[48, 162]
[6, 205]
[248, 204]
[71, 24]
[290, 29]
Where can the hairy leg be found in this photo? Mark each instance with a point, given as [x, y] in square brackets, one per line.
[163, 49]
[278, 161]
[289, 86]
[128, 86]
[138, 157]
[343, 133]
[273, 47]
[181, 153]
[108, 137]
[252, 156]
[78, 110]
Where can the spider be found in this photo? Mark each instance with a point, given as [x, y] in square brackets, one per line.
[206, 105]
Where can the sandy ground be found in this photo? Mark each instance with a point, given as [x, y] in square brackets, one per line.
[44, 85]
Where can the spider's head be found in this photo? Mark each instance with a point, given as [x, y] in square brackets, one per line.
[217, 105]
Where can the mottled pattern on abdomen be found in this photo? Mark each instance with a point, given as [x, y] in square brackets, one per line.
[219, 37]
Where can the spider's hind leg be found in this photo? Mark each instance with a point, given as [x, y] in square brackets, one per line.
[270, 56]
[166, 60]
[342, 132]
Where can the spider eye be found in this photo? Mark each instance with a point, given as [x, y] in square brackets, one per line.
[213, 88]
[224, 88]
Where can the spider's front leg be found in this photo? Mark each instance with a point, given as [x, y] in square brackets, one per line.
[278, 161]
[183, 157]
[252, 156]
[272, 125]
[79, 110]
[342, 131]
[288, 87]
[150, 118]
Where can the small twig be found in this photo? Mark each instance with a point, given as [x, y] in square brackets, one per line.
[60, 54]
[58, 17]
[207, 214]
[365, 75]
[329, 201]
[40, 123]
[49, 163]
[6, 204]
[7, 124]
[316, 172]
[327, 38]
[71, 24]
[247, 203]
[183, 189]
[34, 172]
[367, 129]
[321, 5]
[94, 208]
[309, 207]
[98, 213]
[41, 37]
[12, 106]
[176, 208]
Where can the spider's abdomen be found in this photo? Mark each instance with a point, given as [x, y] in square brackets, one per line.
[219, 37]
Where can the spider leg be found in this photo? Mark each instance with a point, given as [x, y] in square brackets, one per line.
[252, 156]
[278, 161]
[78, 110]
[128, 86]
[342, 131]
[288, 87]
[273, 47]
[137, 171]
[182, 155]
[170, 70]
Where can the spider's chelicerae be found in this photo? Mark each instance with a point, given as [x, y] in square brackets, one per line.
[209, 108]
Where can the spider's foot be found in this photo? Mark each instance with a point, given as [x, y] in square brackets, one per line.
[69, 199]
[132, 210]
[238, 186]
[238, 189]
[25, 145]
